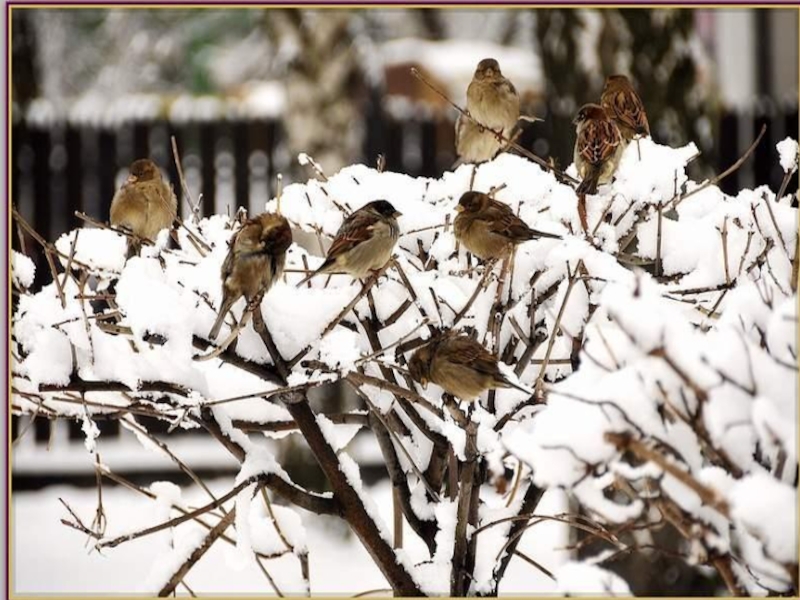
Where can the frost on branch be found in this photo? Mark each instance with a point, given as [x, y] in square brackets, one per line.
[660, 345]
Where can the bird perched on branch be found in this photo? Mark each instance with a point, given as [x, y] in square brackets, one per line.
[492, 100]
[598, 147]
[489, 229]
[460, 366]
[144, 205]
[364, 242]
[624, 106]
[254, 262]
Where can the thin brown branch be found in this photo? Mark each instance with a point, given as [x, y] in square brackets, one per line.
[625, 441]
[715, 180]
[194, 208]
[198, 553]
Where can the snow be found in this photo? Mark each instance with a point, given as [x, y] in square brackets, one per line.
[22, 270]
[695, 367]
[787, 149]
[121, 570]
[577, 579]
[767, 509]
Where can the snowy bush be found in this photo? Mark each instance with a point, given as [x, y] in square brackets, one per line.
[660, 346]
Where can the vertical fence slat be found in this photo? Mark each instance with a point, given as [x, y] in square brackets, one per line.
[241, 154]
[141, 139]
[207, 169]
[74, 174]
[427, 137]
[107, 168]
[393, 150]
[40, 144]
[272, 133]
[728, 150]
[764, 155]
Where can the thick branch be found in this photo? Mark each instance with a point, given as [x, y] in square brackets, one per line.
[197, 554]
[353, 509]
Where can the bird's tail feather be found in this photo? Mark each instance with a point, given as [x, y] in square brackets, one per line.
[589, 183]
[321, 269]
[516, 386]
[223, 311]
[543, 234]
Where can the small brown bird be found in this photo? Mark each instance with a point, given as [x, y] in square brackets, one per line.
[364, 242]
[488, 228]
[254, 262]
[145, 204]
[492, 100]
[460, 366]
[624, 106]
[598, 147]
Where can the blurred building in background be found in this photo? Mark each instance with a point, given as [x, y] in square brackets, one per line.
[245, 90]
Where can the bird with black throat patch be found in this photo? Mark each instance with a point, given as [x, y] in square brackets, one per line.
[364, 242]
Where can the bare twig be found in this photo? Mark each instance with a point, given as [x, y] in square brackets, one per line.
[198, 553]
[715, 180]
[194, 208]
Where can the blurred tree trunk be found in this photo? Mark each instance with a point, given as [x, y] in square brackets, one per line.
[25, 80]
[430, 21]
[664, 71]
[325, 84]
[653, 47]
[566, 84]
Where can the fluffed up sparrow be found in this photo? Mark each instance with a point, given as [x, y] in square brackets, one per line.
[460, 366]
[145, 204]
[254, 262]
[492, 100]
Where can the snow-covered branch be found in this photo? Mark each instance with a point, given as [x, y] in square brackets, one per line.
[660, 346]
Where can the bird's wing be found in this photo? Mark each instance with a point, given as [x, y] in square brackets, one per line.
[628, 108]
[467, 352]
[509, 86]
[598, 141]
[357, 228]
[502, 221]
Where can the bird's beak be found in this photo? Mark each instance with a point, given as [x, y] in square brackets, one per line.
[424, 383]
[459, 208]
[397, 213]
[131, 179]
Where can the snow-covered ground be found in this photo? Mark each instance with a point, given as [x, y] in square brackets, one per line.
[338, 562]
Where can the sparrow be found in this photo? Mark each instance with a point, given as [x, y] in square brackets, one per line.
[598, 147]
[624, 106]
[363, 243]
[460, 366]
[255, 260]
[492, 100]
[488, 228]
[145, 204]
